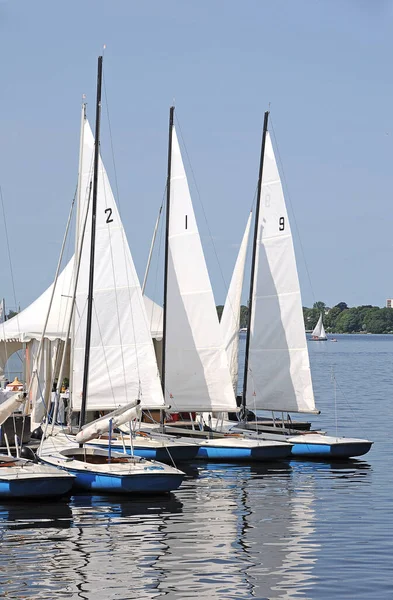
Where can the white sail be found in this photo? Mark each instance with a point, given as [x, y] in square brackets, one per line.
[230, 319]
[122, 361]
[319, 330]
[197, 376]
[279, 375]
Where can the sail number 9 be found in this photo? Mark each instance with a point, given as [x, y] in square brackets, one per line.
[281, 224]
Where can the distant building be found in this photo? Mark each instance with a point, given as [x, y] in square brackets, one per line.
[389, 303]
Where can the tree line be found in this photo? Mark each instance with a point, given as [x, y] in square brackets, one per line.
[344, 319]
[340, 318]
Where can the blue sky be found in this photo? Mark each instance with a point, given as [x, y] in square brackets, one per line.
[323, 65]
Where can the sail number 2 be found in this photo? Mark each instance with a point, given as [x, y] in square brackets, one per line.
[109, 217]
[281, 224]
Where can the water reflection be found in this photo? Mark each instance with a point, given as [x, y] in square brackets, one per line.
[28, 515]
[229, 532]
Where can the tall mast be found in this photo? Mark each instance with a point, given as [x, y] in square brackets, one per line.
[168, 202]
[92, 245]
[254, 254]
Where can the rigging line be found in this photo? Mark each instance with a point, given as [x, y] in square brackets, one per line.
[38, 356]
[114, 283]
[153, 242]
[139, 296]
[201, 203]
[70, 331]
[11, 272]
[111, 140]
[65, 293]
[158, 270]
[287, 195]
[353, 412]
[122, 228]
[226, 286]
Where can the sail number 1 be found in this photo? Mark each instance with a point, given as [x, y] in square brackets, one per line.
[281, 224]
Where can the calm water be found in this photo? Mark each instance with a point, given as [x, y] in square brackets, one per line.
[291, 530]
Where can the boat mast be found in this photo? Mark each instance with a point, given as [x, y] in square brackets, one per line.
[254, 254]
[92, 246]
[168, 202]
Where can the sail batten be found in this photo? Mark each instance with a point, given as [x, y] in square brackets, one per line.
[279, 376]
[196, 369]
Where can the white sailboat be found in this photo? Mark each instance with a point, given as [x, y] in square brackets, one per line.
[319, 334]
[113, 360]
[195, 372]
[277, 369]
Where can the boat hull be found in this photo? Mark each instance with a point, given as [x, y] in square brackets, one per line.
[135, 484]
[24, 488]
[94, 470]
[330, 450]
[236, 454]
[170, 455]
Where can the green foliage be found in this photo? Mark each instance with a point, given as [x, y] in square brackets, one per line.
[11, 313]
[243, 314]
[343, 319]
[319, 306]
[340, 318]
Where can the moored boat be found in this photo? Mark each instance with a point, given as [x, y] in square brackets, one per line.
[277, 375]
[26, 480]
[104, 471]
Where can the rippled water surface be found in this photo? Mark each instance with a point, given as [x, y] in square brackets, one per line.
[285, 530]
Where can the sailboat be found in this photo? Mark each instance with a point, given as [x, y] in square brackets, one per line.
[277, 374]
[25, 479]
[195, 375]
[319, 334]
[110, 370]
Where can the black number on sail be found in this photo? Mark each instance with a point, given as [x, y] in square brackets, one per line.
[281, 224]
[109, 217]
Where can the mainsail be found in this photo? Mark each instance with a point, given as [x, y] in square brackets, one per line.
[196, 369]
[279, 375]
[230, 319]
[122, 361]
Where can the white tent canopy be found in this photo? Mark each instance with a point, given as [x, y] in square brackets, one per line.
[29, 323]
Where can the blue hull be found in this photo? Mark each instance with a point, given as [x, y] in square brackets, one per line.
[226, 454]
[339, 450]
[181, 454]
[127, 484]
[35, 489]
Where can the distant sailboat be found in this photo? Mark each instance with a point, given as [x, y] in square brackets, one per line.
[318, 334]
